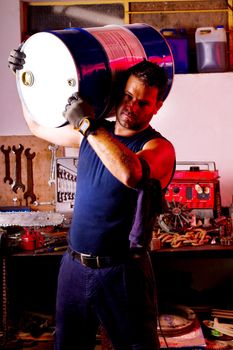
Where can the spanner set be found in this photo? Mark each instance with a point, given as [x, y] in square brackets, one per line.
[16, 182]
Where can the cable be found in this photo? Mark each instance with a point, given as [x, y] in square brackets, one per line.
[156, 302]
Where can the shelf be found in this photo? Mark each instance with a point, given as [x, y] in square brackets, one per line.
[196, 249]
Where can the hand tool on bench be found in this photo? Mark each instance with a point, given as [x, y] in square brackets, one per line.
[30, 184]
[18, 179]
[6, 153]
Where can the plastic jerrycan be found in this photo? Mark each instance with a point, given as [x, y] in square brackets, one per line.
[211, 49]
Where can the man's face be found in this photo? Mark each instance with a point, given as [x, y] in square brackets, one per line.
[138, 105]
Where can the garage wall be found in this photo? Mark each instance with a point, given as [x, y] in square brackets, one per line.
[196, 117]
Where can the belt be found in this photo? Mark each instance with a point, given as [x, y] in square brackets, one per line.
[96, 262]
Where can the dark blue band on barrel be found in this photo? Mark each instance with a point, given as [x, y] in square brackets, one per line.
[92, 66]
[156, 49]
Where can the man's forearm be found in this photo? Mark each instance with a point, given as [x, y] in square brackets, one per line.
[32, 125]
[63, 136]
[118, 159]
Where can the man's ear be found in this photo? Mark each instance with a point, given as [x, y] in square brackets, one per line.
[158, 106]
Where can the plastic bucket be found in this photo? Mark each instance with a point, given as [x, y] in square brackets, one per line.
[211, 49]
[61, 62]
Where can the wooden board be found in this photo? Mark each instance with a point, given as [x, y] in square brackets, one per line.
[41, 171]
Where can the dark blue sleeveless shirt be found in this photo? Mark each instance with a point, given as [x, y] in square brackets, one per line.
[104, 207]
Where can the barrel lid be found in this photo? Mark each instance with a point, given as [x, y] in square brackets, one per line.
[43, 84]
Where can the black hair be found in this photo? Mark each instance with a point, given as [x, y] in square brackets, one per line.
[150, 74]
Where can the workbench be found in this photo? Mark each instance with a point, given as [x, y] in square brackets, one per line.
[198, 277]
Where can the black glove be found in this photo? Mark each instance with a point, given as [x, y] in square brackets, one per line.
[77, 109]
[16, 60]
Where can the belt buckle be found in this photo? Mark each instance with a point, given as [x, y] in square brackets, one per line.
[82, 256]
[98, 261]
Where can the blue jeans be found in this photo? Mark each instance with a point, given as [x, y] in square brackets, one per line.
[121, 298]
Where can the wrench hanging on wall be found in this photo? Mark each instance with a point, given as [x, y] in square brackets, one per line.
[6, 153]
[17, 183]
[52, 178]
[30, 184]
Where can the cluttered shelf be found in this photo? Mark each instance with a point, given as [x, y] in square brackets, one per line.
[204, 248]
[197, 249]
[33, 254]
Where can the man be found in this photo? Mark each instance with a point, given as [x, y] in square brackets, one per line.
[106, 276]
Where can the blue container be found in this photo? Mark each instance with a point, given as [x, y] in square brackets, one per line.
[87, 60]
[178, 42]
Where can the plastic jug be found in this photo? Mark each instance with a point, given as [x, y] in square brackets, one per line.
[211, 49]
